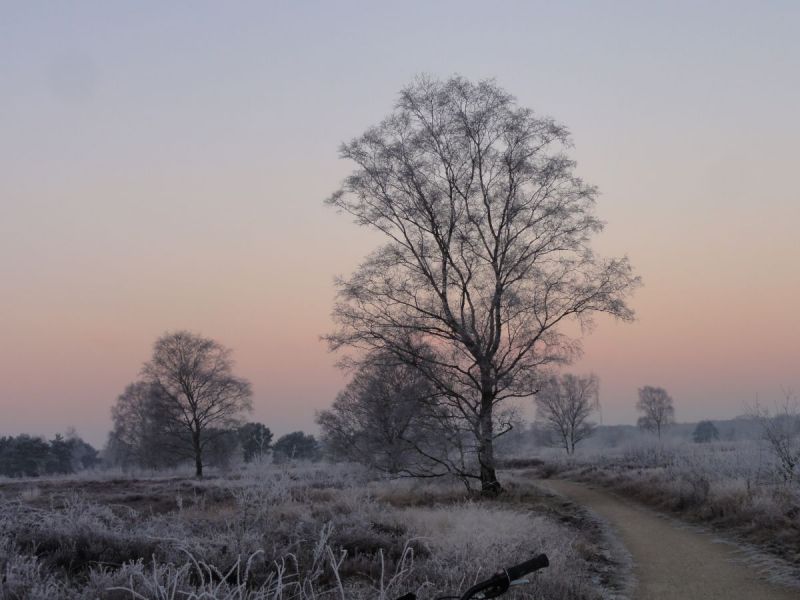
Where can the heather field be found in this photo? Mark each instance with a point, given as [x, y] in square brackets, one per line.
[289, 532]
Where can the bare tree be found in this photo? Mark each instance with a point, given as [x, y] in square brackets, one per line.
[296, 446]
[656, 407]
[781, 430]
[200, 395]
[256, 441]
[487, 251]
[705, 432]
[388, 419]
[565, 404]
[372, 417]
[139, 435]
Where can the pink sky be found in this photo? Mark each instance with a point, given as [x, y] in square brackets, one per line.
[167, 173]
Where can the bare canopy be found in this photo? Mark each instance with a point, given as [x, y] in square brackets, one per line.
[565, 404]
[140, 435]
[200, 395]
[487, 250]
[781, 430]
[383, 418]
[656, 407]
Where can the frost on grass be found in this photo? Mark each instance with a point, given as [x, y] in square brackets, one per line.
[737, 487]
[304, 532]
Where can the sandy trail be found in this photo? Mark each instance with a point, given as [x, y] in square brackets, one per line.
[671, 562]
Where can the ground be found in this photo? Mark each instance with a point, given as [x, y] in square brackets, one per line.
[672, 561]
[298, 531]
[734, 488]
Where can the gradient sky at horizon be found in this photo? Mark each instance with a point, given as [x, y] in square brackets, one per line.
[164, 167]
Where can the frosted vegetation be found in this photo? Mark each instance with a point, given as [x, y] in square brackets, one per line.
[739, 484]
[462, 314]
[280, 532]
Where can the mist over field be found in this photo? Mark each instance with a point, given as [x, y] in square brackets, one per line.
[330, 300]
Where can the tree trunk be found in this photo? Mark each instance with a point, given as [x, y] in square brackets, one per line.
[198, 455]
[490, 486]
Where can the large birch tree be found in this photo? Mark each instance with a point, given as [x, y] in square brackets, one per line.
[487, 256]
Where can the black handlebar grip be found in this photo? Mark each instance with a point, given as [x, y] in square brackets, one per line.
[529, 566]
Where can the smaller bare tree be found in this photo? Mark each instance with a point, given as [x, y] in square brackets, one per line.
[386, 418]
[375, 419]
[200, 395]
[657, 409]
[255, 440]
[781, 430]
[139, 436]
[565, 404]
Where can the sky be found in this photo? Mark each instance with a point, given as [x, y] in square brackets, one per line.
[164, 167]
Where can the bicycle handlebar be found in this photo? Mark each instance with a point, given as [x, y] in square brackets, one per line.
[499, 583]
[529, 566]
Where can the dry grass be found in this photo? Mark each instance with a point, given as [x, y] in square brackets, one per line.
[295, 532]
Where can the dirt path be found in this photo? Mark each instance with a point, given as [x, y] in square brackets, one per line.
[671, 562]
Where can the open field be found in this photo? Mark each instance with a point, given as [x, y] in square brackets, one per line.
[314, 531]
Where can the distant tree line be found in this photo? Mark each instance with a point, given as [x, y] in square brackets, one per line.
[29, 456]
[390, 417]
[251, 442]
